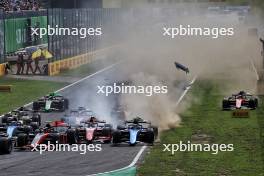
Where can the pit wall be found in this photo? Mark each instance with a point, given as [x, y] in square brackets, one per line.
[77, 61]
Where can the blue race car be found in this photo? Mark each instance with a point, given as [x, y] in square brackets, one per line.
[134, 131]
[20, 135]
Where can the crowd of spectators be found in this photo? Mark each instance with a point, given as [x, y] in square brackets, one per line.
[19, 5]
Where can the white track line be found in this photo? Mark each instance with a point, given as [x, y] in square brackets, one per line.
[144, 147]
[87, 77]
[126, 167]
[254, 68]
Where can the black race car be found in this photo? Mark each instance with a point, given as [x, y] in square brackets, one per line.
[134, 131]
[24, 116]
[51, 102]
[241, 100]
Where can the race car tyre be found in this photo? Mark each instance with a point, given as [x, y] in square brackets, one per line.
[60, 106]
[34, 125]
[52, 138]
[108, 125]
[120, 127]
[155, 130]
[132, 144]
[66, 103]
[252, 104]
[89, 142]
[7, 148]
[22, 140]
[36, 106]
[225, 104]
[71, 137]
[107, 141]
[106, 132]
[116, 136]
[36, 118]
[5, 119]
[149, 137]
[256, 102]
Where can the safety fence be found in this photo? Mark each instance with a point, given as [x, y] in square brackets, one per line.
[2, 35]
[65, 46]
[68, 51]
[15, 30]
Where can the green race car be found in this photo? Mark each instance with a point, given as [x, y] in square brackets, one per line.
[51, 102]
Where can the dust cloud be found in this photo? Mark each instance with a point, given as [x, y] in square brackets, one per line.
[149, 57]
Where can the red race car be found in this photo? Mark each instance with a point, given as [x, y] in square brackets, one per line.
[57, 131]
[94, 130]
[241, 100]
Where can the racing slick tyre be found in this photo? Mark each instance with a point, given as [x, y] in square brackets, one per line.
[4, 119]
[155, 130]
[150, 137]
[36, 106]
[120, 127]
[66, 103]
[107, 133]
[22, 140]
[132, 144]
[225, 105]
[60, 106]
[36, 118]
[252, 104]
[71, 137]
[34, 125]
[116, 136]
[6, 146]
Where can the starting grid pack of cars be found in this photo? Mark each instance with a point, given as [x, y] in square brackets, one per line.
[22, 128]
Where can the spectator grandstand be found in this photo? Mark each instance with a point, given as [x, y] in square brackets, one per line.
[19, 5]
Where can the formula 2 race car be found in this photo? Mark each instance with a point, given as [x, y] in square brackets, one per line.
[57, 131]
[51, 102]
[134, 131]
[242, 100]
[6, 145]
[79, 115]
[21, 135]
[94, 130]
[24, 116]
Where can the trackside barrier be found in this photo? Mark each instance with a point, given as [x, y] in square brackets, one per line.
[2, 69]
[5, 88]
[77, 61]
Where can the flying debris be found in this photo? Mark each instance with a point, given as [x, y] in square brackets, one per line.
[182, 67]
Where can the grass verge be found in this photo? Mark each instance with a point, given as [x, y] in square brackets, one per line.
[24, 91]
[205, 117]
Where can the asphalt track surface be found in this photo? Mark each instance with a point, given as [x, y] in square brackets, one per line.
[73, 163]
